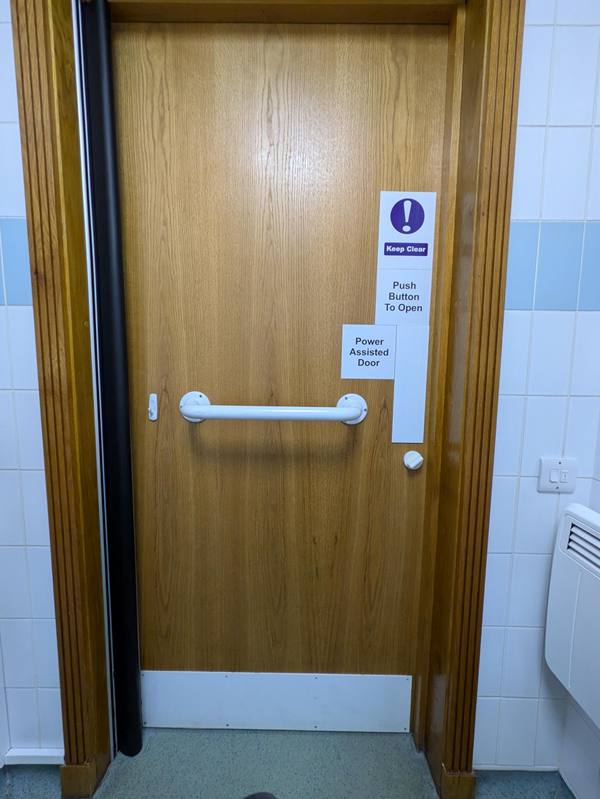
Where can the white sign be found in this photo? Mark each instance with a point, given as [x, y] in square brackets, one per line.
[403, 297]
[406, 229]
[410, 383]
[404, 270]
[368, 352]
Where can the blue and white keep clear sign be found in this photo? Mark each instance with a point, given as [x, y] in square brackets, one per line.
[404, 269]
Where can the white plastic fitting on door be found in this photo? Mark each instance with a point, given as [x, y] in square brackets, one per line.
[196, 407]
[413, 460]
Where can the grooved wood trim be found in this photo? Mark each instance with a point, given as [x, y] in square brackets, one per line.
[458, 786]
[44, 56]
[440, 317]
[323, 11]
[488, 114]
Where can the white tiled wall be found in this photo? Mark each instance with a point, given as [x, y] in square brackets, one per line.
[30, 716]
[550, 391]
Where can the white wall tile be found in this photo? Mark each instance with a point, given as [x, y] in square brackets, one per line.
[582, 432]
[581, 494]
[509, 427]
[523, 662]
[486, 731]
[14, 594]
[559, 377]
[574, 71]
[586, 361]
[22, 346]
[29, 429]
[502, 514]
[577, 12]
[536, 518]
[17, 653]
[515, 352]
[28, 648]
[46, 653]
[528, 600]
[8, 438]
[490, 664]
[5, 378]
[516, 732]
[497, 579]
[566, 173]
[593, 209]
[581, 756]
[35, 507]
[11, 528]
[12, 193]
[8, 83]
[539, 12]
[551, 347]
[527, 181]
[51, 734]
[550, 731]
[535, 75]
[551, 687]
[545, 419]
[23, 717]
[40, 576]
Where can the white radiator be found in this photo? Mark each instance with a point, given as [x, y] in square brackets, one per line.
[573, 623]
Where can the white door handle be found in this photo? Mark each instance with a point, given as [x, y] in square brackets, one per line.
[196, 407]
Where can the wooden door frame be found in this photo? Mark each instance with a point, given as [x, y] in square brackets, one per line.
[484, 64]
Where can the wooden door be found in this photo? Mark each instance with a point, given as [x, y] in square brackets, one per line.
[251, 161]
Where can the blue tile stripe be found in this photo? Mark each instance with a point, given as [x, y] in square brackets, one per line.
[15, 259]
[589, 292]
[559, 266]
[564, 271]
[522, 259]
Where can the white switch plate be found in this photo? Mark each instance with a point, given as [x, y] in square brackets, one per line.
[557, 475]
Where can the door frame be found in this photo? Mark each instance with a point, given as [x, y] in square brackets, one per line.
[484, 63]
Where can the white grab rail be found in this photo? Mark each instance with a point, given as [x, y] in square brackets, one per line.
[196, 407]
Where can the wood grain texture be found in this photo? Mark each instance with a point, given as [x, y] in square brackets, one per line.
[50, 142]
[251, 162]
[486, 114]
[295, 11]
[440, 331]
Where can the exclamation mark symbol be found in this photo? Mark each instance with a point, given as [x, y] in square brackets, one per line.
[407, 206]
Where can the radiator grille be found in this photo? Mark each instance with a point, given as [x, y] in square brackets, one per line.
[585, 546]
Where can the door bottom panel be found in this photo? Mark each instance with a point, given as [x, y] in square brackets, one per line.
[260, 701]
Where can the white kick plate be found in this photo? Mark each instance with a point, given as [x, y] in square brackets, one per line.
[251, 701]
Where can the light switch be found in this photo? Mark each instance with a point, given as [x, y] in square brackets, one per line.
[557, 475]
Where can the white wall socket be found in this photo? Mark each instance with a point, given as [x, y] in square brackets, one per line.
[557, 475]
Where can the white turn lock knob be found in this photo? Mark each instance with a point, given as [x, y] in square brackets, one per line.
[413, 460]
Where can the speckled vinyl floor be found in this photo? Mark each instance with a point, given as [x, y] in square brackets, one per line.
[199, 764]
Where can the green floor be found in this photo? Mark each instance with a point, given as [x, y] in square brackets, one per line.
[199, 764]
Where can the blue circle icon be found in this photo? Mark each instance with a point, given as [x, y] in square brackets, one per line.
[407, 216]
